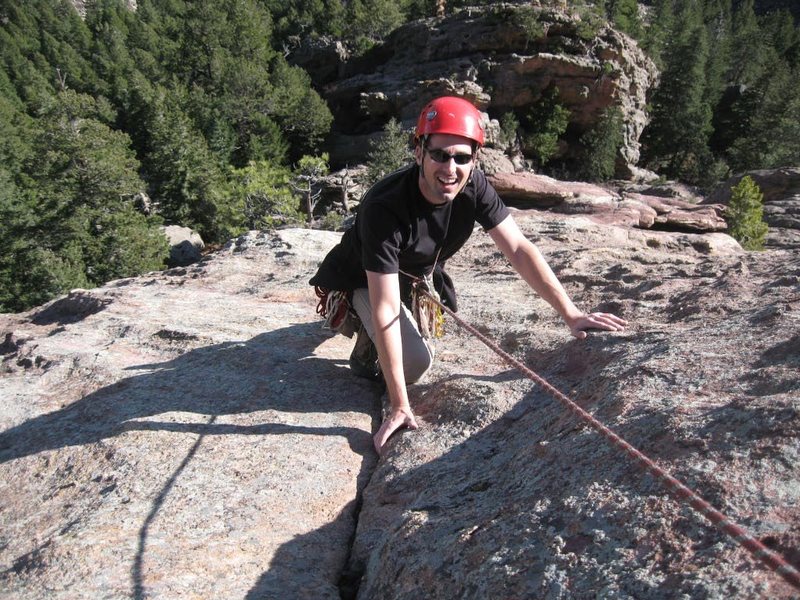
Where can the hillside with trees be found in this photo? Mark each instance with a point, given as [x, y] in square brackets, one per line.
[114, 122]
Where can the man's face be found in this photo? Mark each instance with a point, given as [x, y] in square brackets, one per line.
[441, 178]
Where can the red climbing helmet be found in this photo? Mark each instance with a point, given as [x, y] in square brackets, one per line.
[450, 115]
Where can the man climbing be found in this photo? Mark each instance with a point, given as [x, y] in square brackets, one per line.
[408, 224]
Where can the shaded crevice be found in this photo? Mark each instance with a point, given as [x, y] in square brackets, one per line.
[350, 578]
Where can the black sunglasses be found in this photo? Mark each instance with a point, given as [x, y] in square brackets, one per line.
[440, 156]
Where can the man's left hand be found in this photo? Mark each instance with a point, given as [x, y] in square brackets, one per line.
[596, 320]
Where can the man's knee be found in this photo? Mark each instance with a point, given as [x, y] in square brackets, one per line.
[416, 366]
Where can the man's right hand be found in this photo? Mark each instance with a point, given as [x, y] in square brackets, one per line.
[399, 417]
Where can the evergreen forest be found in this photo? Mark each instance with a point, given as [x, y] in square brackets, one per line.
[115, 122]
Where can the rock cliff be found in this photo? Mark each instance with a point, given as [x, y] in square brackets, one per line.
[195, 434]
[501, 57]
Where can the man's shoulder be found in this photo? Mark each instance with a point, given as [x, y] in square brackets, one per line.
[395, 185]
[479, 182]
[393, 194]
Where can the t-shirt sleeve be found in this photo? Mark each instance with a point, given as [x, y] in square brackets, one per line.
[380, 239]
[490, 210]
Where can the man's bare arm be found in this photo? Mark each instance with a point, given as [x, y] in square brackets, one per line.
[384, 296]
[528, 261]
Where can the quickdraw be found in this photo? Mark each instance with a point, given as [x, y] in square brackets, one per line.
[426, 308]
[770, 558]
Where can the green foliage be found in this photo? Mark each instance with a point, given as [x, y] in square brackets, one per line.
[657, 34]
[189, 99]
[306, 181]
[509, 128]
[625, 16]
[769, 123]
[745, 215]
[678, 136]
[332, 221]
[544, 125]
[590, 24]
[302, 115]
[528, 19]
[76, 225]
[388, 153]
[264, 192]
[371, 20]
[726, 99]
[294, 18]
[362, 23]
[186, 182]
[602, 145]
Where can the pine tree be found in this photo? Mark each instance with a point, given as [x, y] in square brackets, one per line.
[306, 181]
[76, 224]
[745, 214]
[387, 153]
[544, 125]
[749, 54]
[263, 191]
[602, 146]
[301, 114]
[657, 34]
[676, 141]
[186, 183]
[624, 14]
[770, 135]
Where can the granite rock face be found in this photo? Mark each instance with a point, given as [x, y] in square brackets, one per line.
[504, 493]
[194, 433]
[175, 435]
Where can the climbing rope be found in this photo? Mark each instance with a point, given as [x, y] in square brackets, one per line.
[772, 559]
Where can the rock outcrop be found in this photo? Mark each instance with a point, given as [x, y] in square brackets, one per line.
[641, 209]
[185, 245]
[194, 433]
[502, 57]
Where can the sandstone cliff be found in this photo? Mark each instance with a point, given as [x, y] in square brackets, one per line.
[502, 57]
[195, 434]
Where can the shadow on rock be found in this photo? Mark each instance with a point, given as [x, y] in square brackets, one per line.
[292, 574]
[276, 371]
[273, 371]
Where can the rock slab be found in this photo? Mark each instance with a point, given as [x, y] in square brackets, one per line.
[185, 434]
[194, 434]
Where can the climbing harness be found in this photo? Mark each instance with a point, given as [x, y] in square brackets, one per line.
[772, 559]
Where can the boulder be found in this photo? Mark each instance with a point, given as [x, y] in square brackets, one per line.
[185, 245]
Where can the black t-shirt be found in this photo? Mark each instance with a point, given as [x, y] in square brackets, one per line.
[396, 229]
